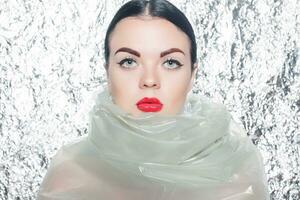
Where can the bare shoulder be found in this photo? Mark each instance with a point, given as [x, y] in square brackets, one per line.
[64, 171]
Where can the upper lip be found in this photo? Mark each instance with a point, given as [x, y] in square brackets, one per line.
[148, 100]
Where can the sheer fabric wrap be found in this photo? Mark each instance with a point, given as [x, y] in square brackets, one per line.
[198, 154]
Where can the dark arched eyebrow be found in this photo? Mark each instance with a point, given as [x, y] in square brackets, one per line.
[136, 53]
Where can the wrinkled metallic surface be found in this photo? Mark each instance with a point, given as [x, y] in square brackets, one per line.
[51, 61]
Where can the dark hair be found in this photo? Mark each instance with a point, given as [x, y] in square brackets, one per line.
[155, 8]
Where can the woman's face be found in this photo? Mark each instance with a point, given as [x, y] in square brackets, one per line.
[149, 57]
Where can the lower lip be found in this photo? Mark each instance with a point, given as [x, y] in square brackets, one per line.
[149, 107]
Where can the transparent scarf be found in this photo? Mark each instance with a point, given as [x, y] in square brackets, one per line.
[200, 153]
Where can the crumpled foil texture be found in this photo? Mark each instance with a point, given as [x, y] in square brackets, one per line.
[51, 68]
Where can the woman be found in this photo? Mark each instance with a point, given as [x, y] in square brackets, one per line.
[148, 139]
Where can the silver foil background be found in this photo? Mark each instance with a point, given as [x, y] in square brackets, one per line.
[51, 68]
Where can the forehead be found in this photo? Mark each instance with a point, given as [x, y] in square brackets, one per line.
[148, 34]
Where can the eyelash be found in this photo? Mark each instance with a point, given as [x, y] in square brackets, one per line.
[125, 60]
[168, 60]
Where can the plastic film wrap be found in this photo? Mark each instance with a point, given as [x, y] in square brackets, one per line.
[51, 68]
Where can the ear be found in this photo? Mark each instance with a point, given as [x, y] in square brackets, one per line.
[193, 76]
[105, 65]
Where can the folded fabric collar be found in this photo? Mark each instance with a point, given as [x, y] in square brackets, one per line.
[200, 153]
[185, 140]
[153, 138]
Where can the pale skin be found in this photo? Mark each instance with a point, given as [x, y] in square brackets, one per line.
[149, 43]
[148, 75]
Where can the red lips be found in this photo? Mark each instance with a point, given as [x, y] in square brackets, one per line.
[149, 104]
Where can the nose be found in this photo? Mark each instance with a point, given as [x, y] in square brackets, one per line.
[149, 79]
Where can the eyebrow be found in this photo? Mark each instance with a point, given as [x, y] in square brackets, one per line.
[136, 53]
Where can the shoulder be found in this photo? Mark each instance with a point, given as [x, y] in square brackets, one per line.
[70, 171]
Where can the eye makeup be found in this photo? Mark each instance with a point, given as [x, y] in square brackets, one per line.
[172, 60]
[129, 61]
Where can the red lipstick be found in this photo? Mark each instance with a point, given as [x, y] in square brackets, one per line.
[149, 104]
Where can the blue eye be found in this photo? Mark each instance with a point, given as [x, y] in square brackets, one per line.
[173, 64]
[127, 63]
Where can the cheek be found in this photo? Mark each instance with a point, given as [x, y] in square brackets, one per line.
[177, 88]
[180, 80]
[121, 84]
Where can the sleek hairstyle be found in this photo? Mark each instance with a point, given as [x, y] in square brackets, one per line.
[156, 8]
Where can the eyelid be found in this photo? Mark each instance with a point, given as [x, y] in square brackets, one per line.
[175, 61]
[127, 58]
